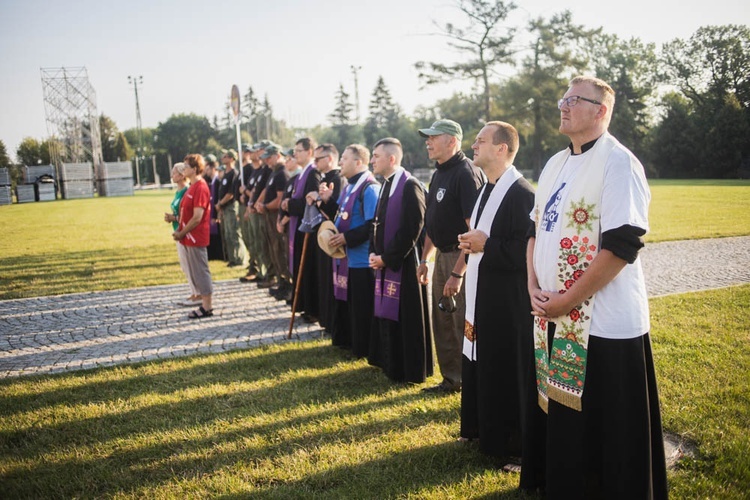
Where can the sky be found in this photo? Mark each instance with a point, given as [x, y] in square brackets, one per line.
[296, 52]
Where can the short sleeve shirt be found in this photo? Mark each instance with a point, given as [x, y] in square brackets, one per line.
[621, 307]
[197, 196]
[450, 201]
[227, 183]
[275, 183]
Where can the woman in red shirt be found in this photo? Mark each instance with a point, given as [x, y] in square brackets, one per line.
[194, 233]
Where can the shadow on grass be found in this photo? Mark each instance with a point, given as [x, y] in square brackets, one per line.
[219, 371]
[393, 476]
[56, 273]
[66, 459]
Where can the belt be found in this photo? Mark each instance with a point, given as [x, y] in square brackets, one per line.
[449, 248]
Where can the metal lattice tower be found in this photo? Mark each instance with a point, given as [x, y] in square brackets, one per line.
[72, 116]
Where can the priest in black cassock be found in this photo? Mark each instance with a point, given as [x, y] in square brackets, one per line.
[498, 401]
[327, 163]
[400, 337]
[308, 181]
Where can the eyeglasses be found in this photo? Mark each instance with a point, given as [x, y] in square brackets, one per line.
[317, 159]
[572, 100]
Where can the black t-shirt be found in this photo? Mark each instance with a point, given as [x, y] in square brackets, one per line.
[227, 184]
[276, 182]
[252, 182]
[288, 188]
[453, 192]
[247, 171]
[264, 173]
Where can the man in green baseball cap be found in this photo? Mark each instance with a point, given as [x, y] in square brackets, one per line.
[440, 127]
[450, 202]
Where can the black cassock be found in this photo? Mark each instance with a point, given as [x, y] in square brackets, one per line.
[326, 300]
[402, 348]
[499, 397]
[308, 295]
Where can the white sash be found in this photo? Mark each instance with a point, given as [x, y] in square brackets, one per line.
[484, 224]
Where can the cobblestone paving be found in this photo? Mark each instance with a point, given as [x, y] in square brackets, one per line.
[79, 331]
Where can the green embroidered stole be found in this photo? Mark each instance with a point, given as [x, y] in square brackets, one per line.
[561, 374]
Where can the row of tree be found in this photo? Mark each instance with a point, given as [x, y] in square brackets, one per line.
[684, 109]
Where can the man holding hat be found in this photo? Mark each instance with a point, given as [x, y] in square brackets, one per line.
[227, 206]
[450, 202]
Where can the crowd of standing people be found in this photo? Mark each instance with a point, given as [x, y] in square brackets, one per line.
[538, 310]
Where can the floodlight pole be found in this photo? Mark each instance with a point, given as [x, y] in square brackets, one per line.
[355, 70]
[135, 80]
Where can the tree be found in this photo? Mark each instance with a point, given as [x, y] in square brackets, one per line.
[4, 158]
[250, 106]
[33, 152]
[122, 150]
[714, 62]
[668, 139]
[343, 131]
[115, 146]
[385, 114]
[481, 43]
[559, 49]
[630, 68]
[182, 134]
[712, 71]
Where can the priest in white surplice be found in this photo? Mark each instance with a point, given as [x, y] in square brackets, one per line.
[498, 402]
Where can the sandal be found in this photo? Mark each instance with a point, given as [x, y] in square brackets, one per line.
[200, 313]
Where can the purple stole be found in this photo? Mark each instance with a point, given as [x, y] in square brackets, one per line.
[297, 193]
[388, 281]
[341, 266]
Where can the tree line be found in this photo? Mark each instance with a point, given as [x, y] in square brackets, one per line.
[683, 109]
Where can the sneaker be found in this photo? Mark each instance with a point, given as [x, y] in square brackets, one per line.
[250, 278]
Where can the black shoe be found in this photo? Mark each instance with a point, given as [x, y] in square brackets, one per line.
[442, 388]
[267, 283]
[309, 318]
[250, 278]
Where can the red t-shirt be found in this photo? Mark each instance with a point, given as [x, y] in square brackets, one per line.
[197, 196]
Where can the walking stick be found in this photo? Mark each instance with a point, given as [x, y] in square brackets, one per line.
[299, 281]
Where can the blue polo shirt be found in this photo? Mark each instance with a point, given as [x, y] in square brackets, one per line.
[359, 255]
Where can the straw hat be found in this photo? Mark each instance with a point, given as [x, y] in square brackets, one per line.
[326, 231]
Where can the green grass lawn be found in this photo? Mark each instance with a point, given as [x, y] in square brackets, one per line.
[304, 420]
[682, 210]
[93, 244]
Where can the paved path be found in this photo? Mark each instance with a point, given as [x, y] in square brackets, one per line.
[78, 331]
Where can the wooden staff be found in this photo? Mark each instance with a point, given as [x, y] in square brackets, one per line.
[299, 281]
